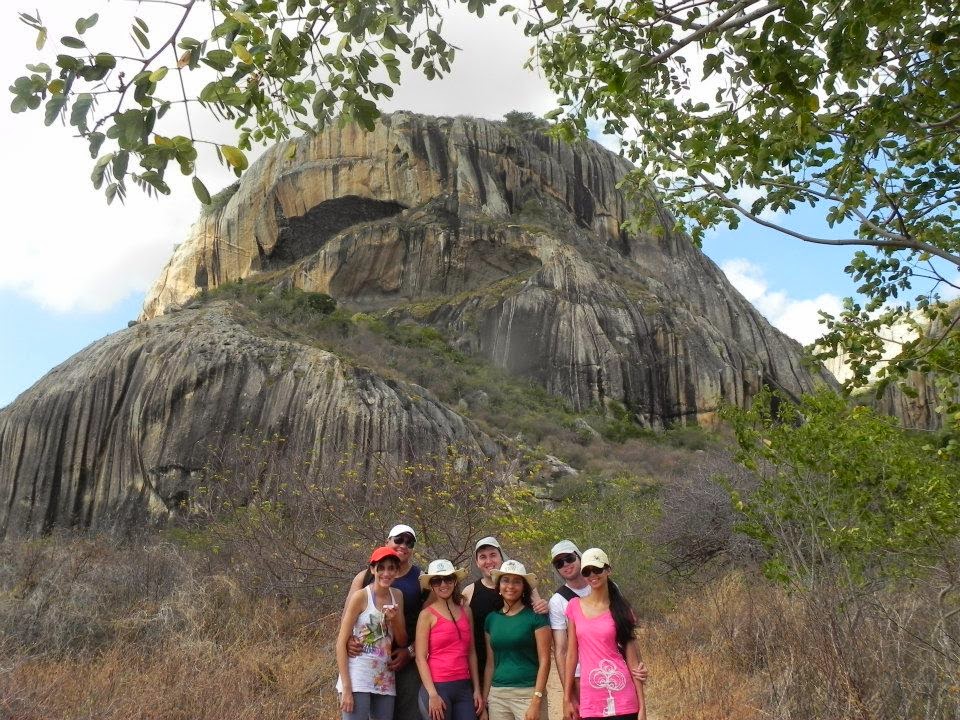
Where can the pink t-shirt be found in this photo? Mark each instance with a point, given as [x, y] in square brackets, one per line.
[449, 648]
[606, 687]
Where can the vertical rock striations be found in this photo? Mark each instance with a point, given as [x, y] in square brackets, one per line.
[121, 432]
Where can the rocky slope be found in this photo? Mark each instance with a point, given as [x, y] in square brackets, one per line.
[120, 433]
[513, 246]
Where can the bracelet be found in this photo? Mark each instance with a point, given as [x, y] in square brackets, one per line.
[412, 650]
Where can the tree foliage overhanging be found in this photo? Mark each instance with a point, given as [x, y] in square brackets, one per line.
[731, 109]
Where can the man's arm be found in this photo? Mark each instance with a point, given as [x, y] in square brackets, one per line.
[355, 585]
[467, 594]
[560, 653]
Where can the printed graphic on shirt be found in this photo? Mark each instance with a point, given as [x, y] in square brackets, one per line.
[372, 633]
[607, 677]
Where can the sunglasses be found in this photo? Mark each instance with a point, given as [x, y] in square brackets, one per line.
[560, 560]
[442, 580]
[404, 539]
[591, 570]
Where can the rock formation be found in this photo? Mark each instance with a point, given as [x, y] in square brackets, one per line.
[513, 246]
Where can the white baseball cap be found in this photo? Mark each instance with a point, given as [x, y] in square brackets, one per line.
[400, 530]
[563, 547]
[484, 542]
[594, 557]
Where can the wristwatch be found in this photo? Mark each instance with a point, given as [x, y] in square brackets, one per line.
[537, 694]
[412, 650]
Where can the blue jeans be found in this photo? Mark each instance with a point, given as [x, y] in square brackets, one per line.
[457, 695]
[370, 706]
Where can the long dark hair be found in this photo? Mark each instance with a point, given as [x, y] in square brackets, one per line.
[624, 619]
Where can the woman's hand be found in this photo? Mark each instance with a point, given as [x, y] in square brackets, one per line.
[437, 707]
[571, 710]
[389, 612]
[533, 709]
[346, 702]
[478, 703]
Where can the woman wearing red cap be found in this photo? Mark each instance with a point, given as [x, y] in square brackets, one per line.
[373, 615]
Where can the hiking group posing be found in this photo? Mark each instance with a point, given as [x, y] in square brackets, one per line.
[416, 645]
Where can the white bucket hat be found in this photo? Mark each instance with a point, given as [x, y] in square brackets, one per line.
[440, 568]
[513, 567]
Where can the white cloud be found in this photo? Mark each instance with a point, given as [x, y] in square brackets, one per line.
[797, 317]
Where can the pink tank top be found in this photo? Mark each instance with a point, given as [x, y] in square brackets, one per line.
[449, 648]
[606, 687]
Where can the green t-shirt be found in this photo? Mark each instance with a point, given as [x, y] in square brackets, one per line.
[515, 661]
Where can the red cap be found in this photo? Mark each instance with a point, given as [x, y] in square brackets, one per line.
[383, 552]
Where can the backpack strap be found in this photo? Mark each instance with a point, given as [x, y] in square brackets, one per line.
[567, 592]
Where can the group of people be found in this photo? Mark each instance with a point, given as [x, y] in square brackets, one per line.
[417, 645]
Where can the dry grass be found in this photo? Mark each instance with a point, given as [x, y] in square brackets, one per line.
[741, 648]
[82, 636]
[178, 680]
[94, 629]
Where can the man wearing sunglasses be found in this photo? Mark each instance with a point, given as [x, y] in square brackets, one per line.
[402, 540]
[565, 557]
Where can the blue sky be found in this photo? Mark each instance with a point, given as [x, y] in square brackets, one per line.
[75, 270]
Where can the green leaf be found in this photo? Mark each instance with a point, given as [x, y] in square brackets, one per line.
[105, 60]
[96, 140]
[200, 190]
[159, 74]
[72, 42]
[141, 37]
[99, 168]
[219, 59]
[234, 157]
[53, 108]
[81, 107]
[84, 24]
[119, 165]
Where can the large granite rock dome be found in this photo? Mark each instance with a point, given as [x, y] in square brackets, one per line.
[512, 245]
[515, 246]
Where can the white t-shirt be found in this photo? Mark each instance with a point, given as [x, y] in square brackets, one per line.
[558, 607]
[558, 613]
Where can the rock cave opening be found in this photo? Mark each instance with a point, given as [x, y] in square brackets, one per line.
[304, 235]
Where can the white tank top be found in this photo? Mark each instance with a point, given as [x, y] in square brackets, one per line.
[369, 671]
